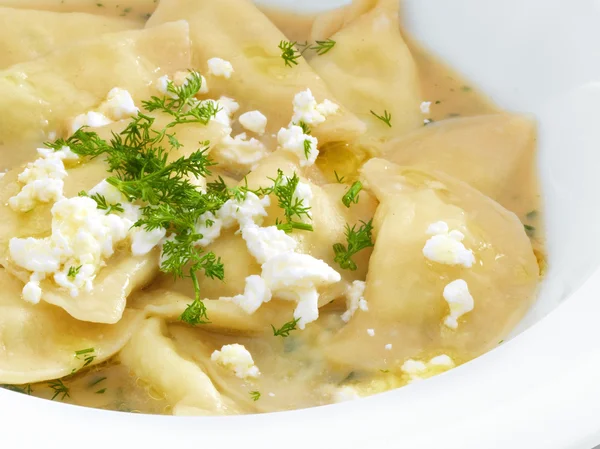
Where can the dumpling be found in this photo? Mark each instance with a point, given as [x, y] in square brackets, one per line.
[493, 153]
[371, 68]
[405, 290]
[152, 356]
[235, 30]
[38, 96]
[41, 32]
[39, 342]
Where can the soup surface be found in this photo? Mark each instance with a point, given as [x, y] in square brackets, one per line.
[210, 209]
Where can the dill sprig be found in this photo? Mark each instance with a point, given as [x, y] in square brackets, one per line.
[74, 271]
[255, 395]
[293, 208]
[322, 47]
[307, 148]
[351, 195]
[357, 240]
[25, 389]
[339, 178]
[88, 356]
[59, 389]
[385, 118]
[289, 53]
[102, 203]
[284, 331]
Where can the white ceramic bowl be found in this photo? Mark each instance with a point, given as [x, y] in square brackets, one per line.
[541, 389]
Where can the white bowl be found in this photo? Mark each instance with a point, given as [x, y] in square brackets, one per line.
[540, 389]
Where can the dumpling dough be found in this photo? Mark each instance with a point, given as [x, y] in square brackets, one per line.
[404, 289]
[39, 342]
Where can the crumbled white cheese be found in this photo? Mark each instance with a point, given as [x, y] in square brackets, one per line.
[250, 210]
[209, 226]
[43, 179]
[143, 241]
[82, 238]
[293, 139]
[240, 151]
[388, 347]
[119, 104]
[230, 105]
[226, 107]
[346, 393]
[447, 247]
[2, 175]
[460, 301]
[220, 67]
[418, 370]
[425, 107]
[254, 121]
[371, 332]
[355, 300]
[307, 110]
[238, 359]
[266, 243]
[296, 277]
[90, 119]
[256, 293]
[427, 121]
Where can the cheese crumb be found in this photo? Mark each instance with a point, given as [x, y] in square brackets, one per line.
[239, 151]
[90, 119]
[293, 140]
[355, 300]
[254, 121]
[256, 293]
[119, 105]
[417, 370]
[447, 247]
[457, 295]
[238, 359]
[250, 210]
[388, 347]
[209, 226]
[220, 67]
[346, 393]
[371, 332]
[307, 110]
[266, 243]
[425, 107]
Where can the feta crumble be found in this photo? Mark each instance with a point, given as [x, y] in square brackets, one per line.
[254, 121]
[447, 247]
[418, 370]
[307, 110]
[240, 151]
[457, 295]
[426, 107]
[266, 243]
[292, 140]
[209, 226]
[345, 393]
[90, 119]
[256, 293]
[355, 300]
[371, 332]
[238, 359]
[250, 210]
[220, 67]
[388, 347]
[119, 104]
[296, 277]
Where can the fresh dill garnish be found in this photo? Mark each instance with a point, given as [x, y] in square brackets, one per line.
[339, 178]
[357, 240]
[530, 230]
[351, 195]
[322, 47]
[284, 331]
[384, 371]
[289, 53]
[385, 118]
[428, 121]
[532, 215]
[138, 158]
[307, 148]
[74, 271]
[99, 5]
[101, 391]
[293, 207]
[88, 356]
[304, 126]
[24, 389]
[466, 89]
[103, 204]
[255, 395]
[59, 389]
[97, 381]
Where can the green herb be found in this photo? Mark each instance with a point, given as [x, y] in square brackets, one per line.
[25, 389]
[102, 204]
[284, 331]
[351, 195]
[530, 230]
[99, 5]
[500, 342]
[532, 215]
[97, 381]
[289, 53]
[74, 271]
[385, 371]
[438, 102]
[307, 148]
[466, 89]
[338, 178]
[304, 126]
[385, 118]
[293, 207]
[427, 121]
[101, 391]
[322, 47]
[59, 389]
[255, 395]
[357, 240]
[87, 354]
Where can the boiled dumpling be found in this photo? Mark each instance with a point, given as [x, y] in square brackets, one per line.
[133, 9]
[405, 289]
